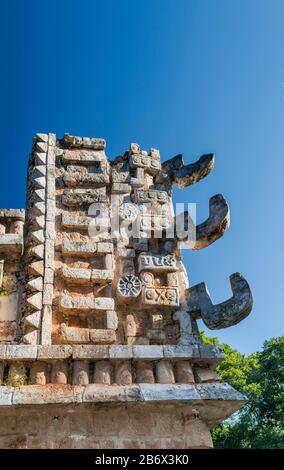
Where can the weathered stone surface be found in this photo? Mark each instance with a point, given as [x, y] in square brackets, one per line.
[101, 336]
[80, 373]
[89, 196]
[73, 334]
[102, 372]
[86, 303]
[148, 352]
[165, 373]
[206, 375]
[123, 373]
[209, 231]
[90, 352]
[120, 352]
[144, 372]
[184, 372]
[157, 262]
[21, 351]
[38, 373]
[59, 372]
[54, 352]
[78, 248]
[227, 313]
[71, 141]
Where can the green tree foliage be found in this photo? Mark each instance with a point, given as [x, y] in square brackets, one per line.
[260, 376]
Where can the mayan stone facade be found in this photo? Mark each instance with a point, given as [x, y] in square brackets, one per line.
[99, 343]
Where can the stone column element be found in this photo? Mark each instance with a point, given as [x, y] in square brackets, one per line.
[80, 373]
[184, 372]
[144, 372]
[59, 372]
[123, 375]
[165, 373]
[38, 373]
[102, 372]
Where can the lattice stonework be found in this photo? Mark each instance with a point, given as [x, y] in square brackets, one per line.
[90, 294]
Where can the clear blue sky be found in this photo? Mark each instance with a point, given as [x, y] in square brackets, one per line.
[184, 76]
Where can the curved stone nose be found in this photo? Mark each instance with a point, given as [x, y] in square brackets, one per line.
[225, 314]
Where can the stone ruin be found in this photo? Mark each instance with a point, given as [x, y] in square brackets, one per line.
[99, 343]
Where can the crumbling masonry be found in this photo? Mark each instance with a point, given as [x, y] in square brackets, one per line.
[99, 344]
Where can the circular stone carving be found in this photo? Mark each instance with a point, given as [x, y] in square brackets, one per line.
[128, 211]
[129, 286]
[147, 278]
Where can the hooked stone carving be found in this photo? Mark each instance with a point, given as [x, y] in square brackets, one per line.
[225, 314]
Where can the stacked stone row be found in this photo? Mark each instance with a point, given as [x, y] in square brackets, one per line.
[104, 372]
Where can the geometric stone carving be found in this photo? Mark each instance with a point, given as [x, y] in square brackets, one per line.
[157, 262]
[129, 286]
[164, 296]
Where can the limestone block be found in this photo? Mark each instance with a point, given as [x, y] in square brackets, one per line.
[206, 375]
[9, 307]
[100, 276]
[78, 248]
[80, 373]
[38, 373]
[21, 351]
[104, 247]
[74, 198]
[184, 372]
[3, 348]
[120, 351]
[34, 319]
[86, 303]
[75, 178]
[59, 372]
[40, 158]
[36, 268]
[46, 324]
[157, 262]
[111, 320]
[120, 188]
[53, 352]
[83, 156]
[41, 137]
[40, 182]
[35, 301]
[36, 284]
[17, 227]
[41, 146]
[47, 294]
[71, 141]
[77, 275]
[8, 330]
[73, 334]
[90, 352]
[102, 372]
[165, 373]
[144, 372]
[100, 336]
[130, 325]
[37, 236]
[123, 374]
[165, 296]
[148, 352]
[31, 338]
[37, 251]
